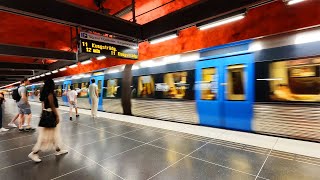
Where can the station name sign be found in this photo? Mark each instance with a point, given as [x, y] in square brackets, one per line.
[95, 44]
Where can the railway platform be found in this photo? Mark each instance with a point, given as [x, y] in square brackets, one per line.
[123, 147]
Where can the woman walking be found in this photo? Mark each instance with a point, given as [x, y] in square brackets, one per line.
[49, 127]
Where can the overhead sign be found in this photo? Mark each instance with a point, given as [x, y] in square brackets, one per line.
[95, 44]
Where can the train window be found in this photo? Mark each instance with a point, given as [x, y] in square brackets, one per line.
[58, 90]
[145, 87]
[83, 89]
[295, 80]
[208, 85]
[235, 85]
[112, 88]
[174, 86]
[99, 87]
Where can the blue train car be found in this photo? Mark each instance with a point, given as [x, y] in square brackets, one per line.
[268, 85]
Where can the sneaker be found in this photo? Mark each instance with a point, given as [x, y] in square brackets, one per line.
[25, 125]
[21, 130]
[77, 115]
[70, 118]
[4, 130]
[58, 153]
[12, 125]
[34, 157]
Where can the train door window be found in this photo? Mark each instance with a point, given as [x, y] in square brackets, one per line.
[145, 87]
[99, 87]
[236, 83]
[209, 84]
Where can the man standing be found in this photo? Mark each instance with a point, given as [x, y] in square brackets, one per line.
[24, 106]
[93, 93]
[72, 99]
[2, 129]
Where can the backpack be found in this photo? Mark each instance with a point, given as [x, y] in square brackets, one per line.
[15, 94]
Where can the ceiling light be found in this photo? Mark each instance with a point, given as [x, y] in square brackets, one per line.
[48, 73]
[290, 2]
[172, 59]
[73, 66]
[134, 67]
[86, 62]
[37, 76]
[100, 57]
[223, 20]
[165, 38]
[113, 71]
[42, 75]
[55, 71]
[62, 69]
[307, 37]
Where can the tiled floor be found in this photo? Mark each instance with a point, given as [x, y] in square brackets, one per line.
[110, 149]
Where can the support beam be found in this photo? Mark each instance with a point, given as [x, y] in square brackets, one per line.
[15, 73]
[23, 51]
[22, 66]
[66, 13]
[190, 15]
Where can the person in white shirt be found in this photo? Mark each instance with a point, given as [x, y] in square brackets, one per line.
[72, 99]
[94, 95]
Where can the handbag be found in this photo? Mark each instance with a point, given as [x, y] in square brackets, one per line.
[48, 119]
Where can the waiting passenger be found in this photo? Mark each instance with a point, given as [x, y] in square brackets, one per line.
[2, 129]
[49, 127]
[72, 99]
[94, 95]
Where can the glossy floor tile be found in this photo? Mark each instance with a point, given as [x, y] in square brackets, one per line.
[50, 167]
[178, 144]
[141, 163]
[281, 168]
[79, 140]
[103, 149]
[93, 172]
[241, 160]
[191, 169]
[145, 135]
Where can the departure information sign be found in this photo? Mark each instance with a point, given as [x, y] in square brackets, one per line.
[95, 44]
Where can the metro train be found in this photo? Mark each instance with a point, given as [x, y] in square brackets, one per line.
[268, 85]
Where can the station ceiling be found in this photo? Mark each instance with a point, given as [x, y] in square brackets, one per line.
[45, 34]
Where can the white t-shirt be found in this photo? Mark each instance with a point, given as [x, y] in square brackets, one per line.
[72, 95]
[92, 90]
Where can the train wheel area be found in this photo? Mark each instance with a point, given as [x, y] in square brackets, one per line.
[115, 146]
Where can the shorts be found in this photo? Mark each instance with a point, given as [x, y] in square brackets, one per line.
[24, 109]
[73, 105]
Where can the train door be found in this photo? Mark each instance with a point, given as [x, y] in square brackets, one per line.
[99, 81]
[208, 92]
[225, 97]
[65, 87]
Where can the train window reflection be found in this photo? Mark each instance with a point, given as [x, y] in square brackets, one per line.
[297, 80]
[235, 85]
[174, 86]
[208, 85]
[145, 87]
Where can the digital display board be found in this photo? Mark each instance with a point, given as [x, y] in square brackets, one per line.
[94, 44]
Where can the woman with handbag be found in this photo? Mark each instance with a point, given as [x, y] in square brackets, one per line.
[49, 127]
